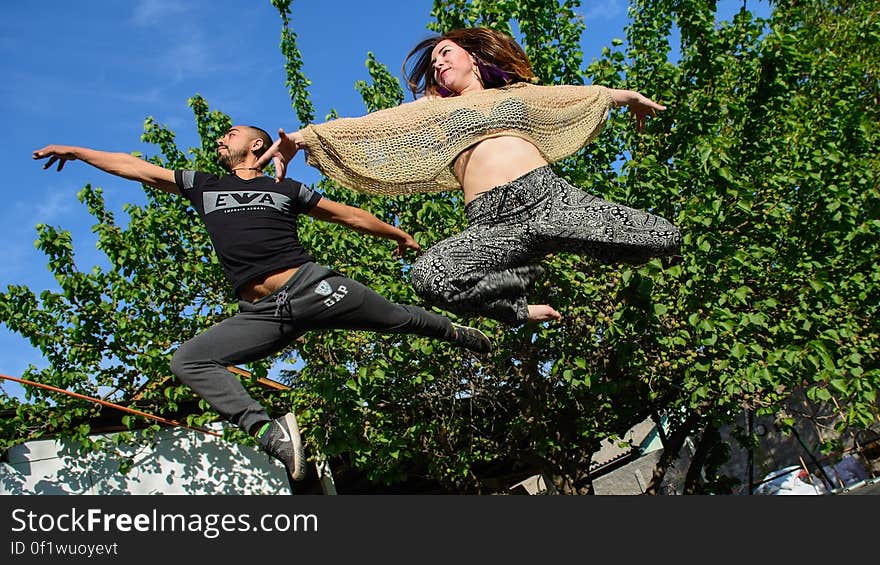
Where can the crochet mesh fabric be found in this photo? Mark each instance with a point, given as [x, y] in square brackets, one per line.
[411, 148]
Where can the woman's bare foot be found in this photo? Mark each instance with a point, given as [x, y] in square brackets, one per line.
[543, 313]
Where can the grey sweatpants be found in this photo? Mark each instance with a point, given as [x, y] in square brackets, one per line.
[315, 298]
[488, 268]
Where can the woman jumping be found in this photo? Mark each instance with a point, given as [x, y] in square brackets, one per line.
[483, 127]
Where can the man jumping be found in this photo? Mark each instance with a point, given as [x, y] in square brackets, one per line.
[282, 292]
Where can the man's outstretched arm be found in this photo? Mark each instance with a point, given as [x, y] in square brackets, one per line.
[119, 164]
[363, 222]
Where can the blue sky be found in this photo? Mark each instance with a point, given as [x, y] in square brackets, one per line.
[89, 73]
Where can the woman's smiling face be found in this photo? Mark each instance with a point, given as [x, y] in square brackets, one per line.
[454, 68]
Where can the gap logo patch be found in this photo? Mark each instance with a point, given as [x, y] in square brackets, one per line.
[337, 295]
[323, 289]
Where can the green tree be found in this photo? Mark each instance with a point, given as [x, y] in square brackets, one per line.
[766, 146]
[762, 159]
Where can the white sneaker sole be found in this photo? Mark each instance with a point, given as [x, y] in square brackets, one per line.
[478, 331]
[299, 454]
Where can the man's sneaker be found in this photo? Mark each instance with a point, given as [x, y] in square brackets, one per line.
[283, 442]
[472, 338]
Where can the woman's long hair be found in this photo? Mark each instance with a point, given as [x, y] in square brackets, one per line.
[499, 57]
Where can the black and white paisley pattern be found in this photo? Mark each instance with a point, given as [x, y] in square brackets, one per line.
[487, 269]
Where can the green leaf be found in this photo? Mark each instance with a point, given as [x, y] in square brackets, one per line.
[839, 385]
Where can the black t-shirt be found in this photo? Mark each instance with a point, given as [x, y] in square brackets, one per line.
[252, 223]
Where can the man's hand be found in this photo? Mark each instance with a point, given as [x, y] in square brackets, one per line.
[280, 153]
[640, 106]
[60, 153]
[405, 243]
[122, 165]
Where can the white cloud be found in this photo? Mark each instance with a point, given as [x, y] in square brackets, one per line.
[53, 206]
[179, 50]
[152, 12]
[605, 9]
[148, 96]
[190, 57]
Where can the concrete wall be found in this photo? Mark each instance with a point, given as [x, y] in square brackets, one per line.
[181, 462]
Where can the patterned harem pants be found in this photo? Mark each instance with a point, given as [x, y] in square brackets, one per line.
[487, 269]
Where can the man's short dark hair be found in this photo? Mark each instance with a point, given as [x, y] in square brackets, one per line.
[260, 133]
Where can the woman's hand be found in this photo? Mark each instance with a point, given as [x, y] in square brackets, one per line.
[640, 106]
[281, 152]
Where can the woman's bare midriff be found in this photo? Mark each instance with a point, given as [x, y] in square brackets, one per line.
[494, 162]
[256, 289]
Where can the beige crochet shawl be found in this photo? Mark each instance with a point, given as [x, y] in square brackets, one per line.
[412, 147]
